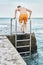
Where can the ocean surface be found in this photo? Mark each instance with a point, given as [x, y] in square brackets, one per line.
[36, 27]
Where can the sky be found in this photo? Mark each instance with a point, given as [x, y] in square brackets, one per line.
[7, 7]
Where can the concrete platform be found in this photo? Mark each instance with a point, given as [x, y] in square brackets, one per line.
[8, 53]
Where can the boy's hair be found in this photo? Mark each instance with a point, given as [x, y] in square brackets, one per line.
[18, 6]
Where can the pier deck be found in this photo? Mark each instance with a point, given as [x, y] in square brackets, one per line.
[8, 53]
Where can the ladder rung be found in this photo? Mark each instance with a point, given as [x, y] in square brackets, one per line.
[22, 46]
[21, 33]
[23, 40]
[25, 52]
[26, 56]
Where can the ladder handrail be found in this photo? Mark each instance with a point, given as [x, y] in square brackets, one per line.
[30, 37]
[15, 30]
[16, 34]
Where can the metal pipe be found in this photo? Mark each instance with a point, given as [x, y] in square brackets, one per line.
[15, 32]
[30, 38]
[11, 27]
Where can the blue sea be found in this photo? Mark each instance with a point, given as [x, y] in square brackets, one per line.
[36, 27]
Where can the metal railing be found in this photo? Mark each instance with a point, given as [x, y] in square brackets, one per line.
[16, 33]
[10, 27]
[22, 40]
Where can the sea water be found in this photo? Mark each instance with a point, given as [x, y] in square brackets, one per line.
[37, 28]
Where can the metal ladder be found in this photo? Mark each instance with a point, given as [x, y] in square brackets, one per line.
[23, 40]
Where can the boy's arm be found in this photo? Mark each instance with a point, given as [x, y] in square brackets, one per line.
[16, 12]
[29, 11]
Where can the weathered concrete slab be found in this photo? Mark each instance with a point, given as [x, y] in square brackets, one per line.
[8, 54]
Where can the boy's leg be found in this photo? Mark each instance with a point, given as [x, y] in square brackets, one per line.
[21, 22]
[25, 22]
[25, 25]
[21, 27]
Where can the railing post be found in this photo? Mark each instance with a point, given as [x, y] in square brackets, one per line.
[15, 32]
[30, 38]
[11, 27]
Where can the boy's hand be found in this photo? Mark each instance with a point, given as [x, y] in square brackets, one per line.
[14, 17]
[29, 18]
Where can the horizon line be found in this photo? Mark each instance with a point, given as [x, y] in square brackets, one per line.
[31, 17]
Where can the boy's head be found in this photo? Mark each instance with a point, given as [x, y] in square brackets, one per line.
[18, 6]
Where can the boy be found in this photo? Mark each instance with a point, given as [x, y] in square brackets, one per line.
[23, 16]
